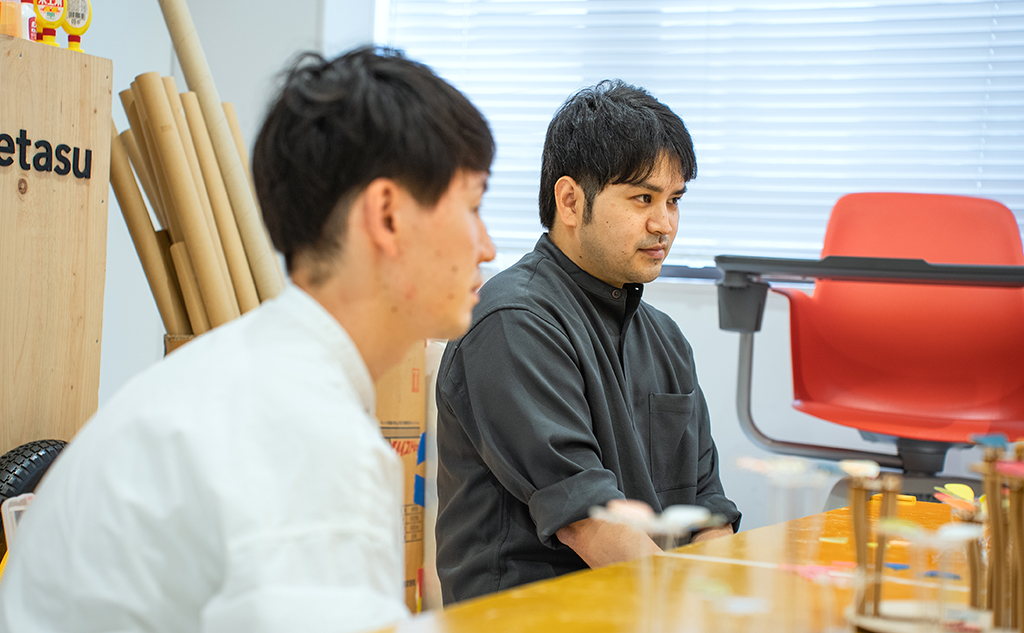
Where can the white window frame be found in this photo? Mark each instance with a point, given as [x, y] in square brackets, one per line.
[791, 104]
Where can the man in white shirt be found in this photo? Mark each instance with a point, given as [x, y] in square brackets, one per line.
[242, 484]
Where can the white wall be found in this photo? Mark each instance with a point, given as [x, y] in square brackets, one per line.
[246, 45]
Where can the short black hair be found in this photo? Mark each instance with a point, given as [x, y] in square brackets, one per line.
[338, 125]
[609, 134]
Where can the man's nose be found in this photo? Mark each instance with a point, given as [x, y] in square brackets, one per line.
[660, 221]
[487, 250]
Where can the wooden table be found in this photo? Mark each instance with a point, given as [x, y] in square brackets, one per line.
[737, 583]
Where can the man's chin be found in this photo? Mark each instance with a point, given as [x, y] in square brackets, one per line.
[455, 328]
[647, 274]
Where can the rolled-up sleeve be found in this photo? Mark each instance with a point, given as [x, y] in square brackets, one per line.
[515, 385]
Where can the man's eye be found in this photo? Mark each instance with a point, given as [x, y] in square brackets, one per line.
[675, 201]
[645, 198]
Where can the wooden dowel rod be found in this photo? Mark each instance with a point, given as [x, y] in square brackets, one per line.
[202, 254]
[136, 216]
[1017, 508]
[886, 510]
[200, 186]
[190, 288]
[997, 539]
[1016, 561]
[858, 515]
[234, 251]
[974, 569]
[262, 261]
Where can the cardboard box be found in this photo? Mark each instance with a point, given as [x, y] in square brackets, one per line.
[402, 411]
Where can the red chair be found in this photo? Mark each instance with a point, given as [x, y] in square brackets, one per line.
[925, 364]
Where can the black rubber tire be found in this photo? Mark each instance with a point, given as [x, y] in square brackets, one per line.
[21, 468]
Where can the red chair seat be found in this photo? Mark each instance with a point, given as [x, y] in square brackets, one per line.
[926, 362]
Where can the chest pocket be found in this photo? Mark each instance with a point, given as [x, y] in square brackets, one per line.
[673, 444]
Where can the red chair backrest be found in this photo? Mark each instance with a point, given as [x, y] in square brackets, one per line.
[942, 353]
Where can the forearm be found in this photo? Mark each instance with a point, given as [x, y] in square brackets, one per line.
[709, 533]
[601, 543]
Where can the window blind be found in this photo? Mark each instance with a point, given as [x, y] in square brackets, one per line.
[791, 104]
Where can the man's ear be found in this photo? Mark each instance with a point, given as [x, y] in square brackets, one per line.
[378, 207]
[569, 202]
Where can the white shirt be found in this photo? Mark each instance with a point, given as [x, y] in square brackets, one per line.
[241, 484]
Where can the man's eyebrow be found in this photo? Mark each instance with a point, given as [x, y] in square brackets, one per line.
[656, 189]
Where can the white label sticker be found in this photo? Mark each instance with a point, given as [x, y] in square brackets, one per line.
[78, 13]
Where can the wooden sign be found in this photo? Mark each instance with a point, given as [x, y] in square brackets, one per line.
[54, 187]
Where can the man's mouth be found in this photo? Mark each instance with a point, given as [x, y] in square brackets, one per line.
[657, 251]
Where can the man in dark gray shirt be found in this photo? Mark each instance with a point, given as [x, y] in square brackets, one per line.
[568, 391]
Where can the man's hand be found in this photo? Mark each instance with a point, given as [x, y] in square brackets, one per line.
[709, 533]
[600, 543]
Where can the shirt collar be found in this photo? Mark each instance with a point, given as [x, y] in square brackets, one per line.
[584, 279]
[322, 324]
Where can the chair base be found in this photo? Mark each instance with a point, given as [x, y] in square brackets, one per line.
[920, 486]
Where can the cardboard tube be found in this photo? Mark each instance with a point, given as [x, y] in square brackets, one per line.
[156, 167]
[240, 145]
[202, 254]
[234, 251]
[131, 149]
[163, 240]
[200, 185]
[145, 161]
[165, 291]
[262, 261]
[243, 155]
[190, 288]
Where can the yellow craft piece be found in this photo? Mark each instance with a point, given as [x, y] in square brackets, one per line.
[962, 491]
[3, 563]
[906, 500]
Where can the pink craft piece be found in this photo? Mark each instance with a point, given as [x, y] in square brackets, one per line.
[1011, 469]
[959, 504]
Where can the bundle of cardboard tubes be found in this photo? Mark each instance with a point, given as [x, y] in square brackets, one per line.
[209, 259]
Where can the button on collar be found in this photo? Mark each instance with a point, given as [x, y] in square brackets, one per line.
[616, 293]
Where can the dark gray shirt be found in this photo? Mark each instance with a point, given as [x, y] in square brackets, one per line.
[565, 393]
